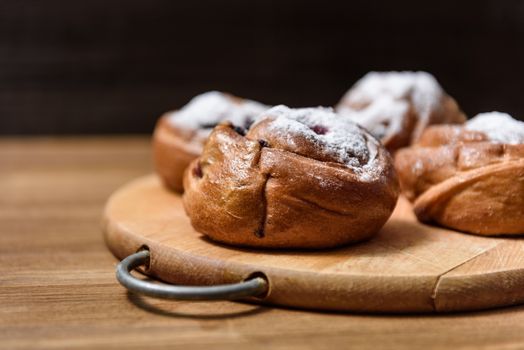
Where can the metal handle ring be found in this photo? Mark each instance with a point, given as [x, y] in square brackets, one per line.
[256, 286]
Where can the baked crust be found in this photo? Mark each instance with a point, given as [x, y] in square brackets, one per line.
[254, 190]
[460, 179]
[173, 150]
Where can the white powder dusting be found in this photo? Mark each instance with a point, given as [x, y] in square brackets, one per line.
[498, 127]
[209, 109]
[381, 118]
[421, 88]
[338, 137]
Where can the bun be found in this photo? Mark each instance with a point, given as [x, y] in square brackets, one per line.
[299, 178]
[179, 136]
[469, 178]
[396, 107]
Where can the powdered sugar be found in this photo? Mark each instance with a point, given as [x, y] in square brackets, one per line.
[206, 110]
[338, 137]
[381, 118]
[498, 127]
[421, 88]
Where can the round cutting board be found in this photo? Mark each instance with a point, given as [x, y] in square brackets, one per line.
[407, 267]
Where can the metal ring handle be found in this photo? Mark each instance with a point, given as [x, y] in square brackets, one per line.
[255, 286]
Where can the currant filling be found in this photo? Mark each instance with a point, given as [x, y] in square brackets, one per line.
[319, 129]
[263, 143]
[197, 171]
[240, 130]
[208, 126]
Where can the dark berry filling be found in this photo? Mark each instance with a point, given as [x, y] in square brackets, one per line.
[319, 129]
[240, 130]
[260, 233]
[208, 126]
[263, 143]
[197, 170]
[249, 121]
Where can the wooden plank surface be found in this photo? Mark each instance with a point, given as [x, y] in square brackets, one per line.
[57, 286]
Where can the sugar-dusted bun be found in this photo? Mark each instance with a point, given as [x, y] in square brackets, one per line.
[470, 177]
[396, 107]
[299, 178]
[179, 136]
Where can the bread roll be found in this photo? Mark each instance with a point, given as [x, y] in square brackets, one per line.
[180, 135]
[469, 178]
[299, 178]
[396, 107]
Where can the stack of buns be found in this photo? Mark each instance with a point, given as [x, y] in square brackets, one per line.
[280, 177]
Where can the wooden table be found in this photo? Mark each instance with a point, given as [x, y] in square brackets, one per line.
[57, 285]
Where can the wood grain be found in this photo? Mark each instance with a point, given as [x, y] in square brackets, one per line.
[57, 286]
[407, 267]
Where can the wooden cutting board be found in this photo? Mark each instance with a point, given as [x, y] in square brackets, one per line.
[407, 267]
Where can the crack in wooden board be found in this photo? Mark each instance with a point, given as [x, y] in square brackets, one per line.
[494, 278]
[435, 294]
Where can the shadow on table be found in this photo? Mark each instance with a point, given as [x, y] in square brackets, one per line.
[202, 310]
[165, 308]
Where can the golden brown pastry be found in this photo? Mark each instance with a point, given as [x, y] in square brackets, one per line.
[299, 178]
[469, 178]
[179, 136]
[396, 107]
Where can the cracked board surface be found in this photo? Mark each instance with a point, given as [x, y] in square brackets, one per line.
[407, 267]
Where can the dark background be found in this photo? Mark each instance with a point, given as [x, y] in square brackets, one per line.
[112, 66]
